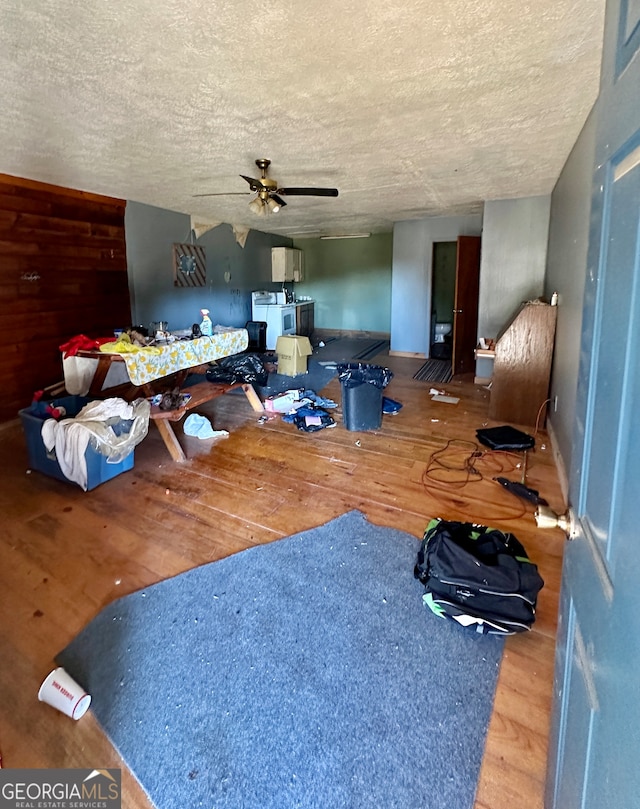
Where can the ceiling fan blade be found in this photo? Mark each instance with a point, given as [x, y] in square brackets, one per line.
[224, 194]
[278, 199]
[256, 185]
[309, 192]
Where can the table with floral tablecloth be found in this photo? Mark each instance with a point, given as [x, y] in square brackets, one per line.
[86, 371]
[145, 365]
[162, 359]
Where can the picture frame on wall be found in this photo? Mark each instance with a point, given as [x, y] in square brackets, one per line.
[189, 265]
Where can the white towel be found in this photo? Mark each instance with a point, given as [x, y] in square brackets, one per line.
[70, 437]
[70, 441]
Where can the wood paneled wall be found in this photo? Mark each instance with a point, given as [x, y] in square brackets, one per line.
[63, 271]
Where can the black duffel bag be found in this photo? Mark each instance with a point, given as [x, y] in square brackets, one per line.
[479, 577]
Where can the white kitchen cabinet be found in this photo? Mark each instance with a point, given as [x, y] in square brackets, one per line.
[287, 264]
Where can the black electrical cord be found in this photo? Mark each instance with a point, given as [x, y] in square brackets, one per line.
[460, 462]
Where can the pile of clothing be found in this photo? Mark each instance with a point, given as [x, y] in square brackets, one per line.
[311, 413]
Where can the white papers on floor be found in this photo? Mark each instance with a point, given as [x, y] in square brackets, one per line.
[441, 396]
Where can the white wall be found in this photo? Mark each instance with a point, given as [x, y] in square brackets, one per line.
[412, 273]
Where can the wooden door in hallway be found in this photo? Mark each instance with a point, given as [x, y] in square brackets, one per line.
[465, 307]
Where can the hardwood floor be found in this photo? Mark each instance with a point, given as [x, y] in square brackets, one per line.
[64, 553]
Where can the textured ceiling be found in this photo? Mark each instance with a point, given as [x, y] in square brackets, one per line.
[411, 108]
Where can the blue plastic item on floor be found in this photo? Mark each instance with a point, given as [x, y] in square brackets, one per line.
[98, 468]
[199, 426]
[390, 406]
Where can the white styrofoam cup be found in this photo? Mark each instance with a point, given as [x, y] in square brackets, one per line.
[62, 692]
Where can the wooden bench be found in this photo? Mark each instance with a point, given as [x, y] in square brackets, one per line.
[200, 393]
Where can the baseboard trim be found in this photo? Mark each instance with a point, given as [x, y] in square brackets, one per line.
[325, 334]
[563, 477]
[417, 355]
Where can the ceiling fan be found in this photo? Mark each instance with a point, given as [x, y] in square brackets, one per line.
[269, 195]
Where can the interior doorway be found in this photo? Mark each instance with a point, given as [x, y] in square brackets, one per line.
[455, 280]
[443, 286]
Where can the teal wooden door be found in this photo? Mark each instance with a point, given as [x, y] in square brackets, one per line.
[595, 742]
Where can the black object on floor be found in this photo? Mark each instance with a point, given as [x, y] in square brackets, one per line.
[346, 349]
[520, 490]
[478, 576]
[316, 377]
[505, 438]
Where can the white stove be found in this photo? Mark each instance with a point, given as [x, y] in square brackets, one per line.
[270, 308]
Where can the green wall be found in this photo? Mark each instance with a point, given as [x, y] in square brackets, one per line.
[350, 281]
[444, 280]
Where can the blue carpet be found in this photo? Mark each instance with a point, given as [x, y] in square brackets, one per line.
[303, 673]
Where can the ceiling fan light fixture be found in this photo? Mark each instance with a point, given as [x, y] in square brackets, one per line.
[269, 195]
[256, 206]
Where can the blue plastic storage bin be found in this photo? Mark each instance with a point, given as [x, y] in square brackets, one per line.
[98, 469]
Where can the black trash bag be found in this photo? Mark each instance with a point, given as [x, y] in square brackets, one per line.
[352, 374]
[239, 368]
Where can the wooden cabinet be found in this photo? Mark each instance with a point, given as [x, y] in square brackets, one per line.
[522, 365]
[287, 264]
[304, 319]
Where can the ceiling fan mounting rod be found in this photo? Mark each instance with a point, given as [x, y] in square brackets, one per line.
[267, 183]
